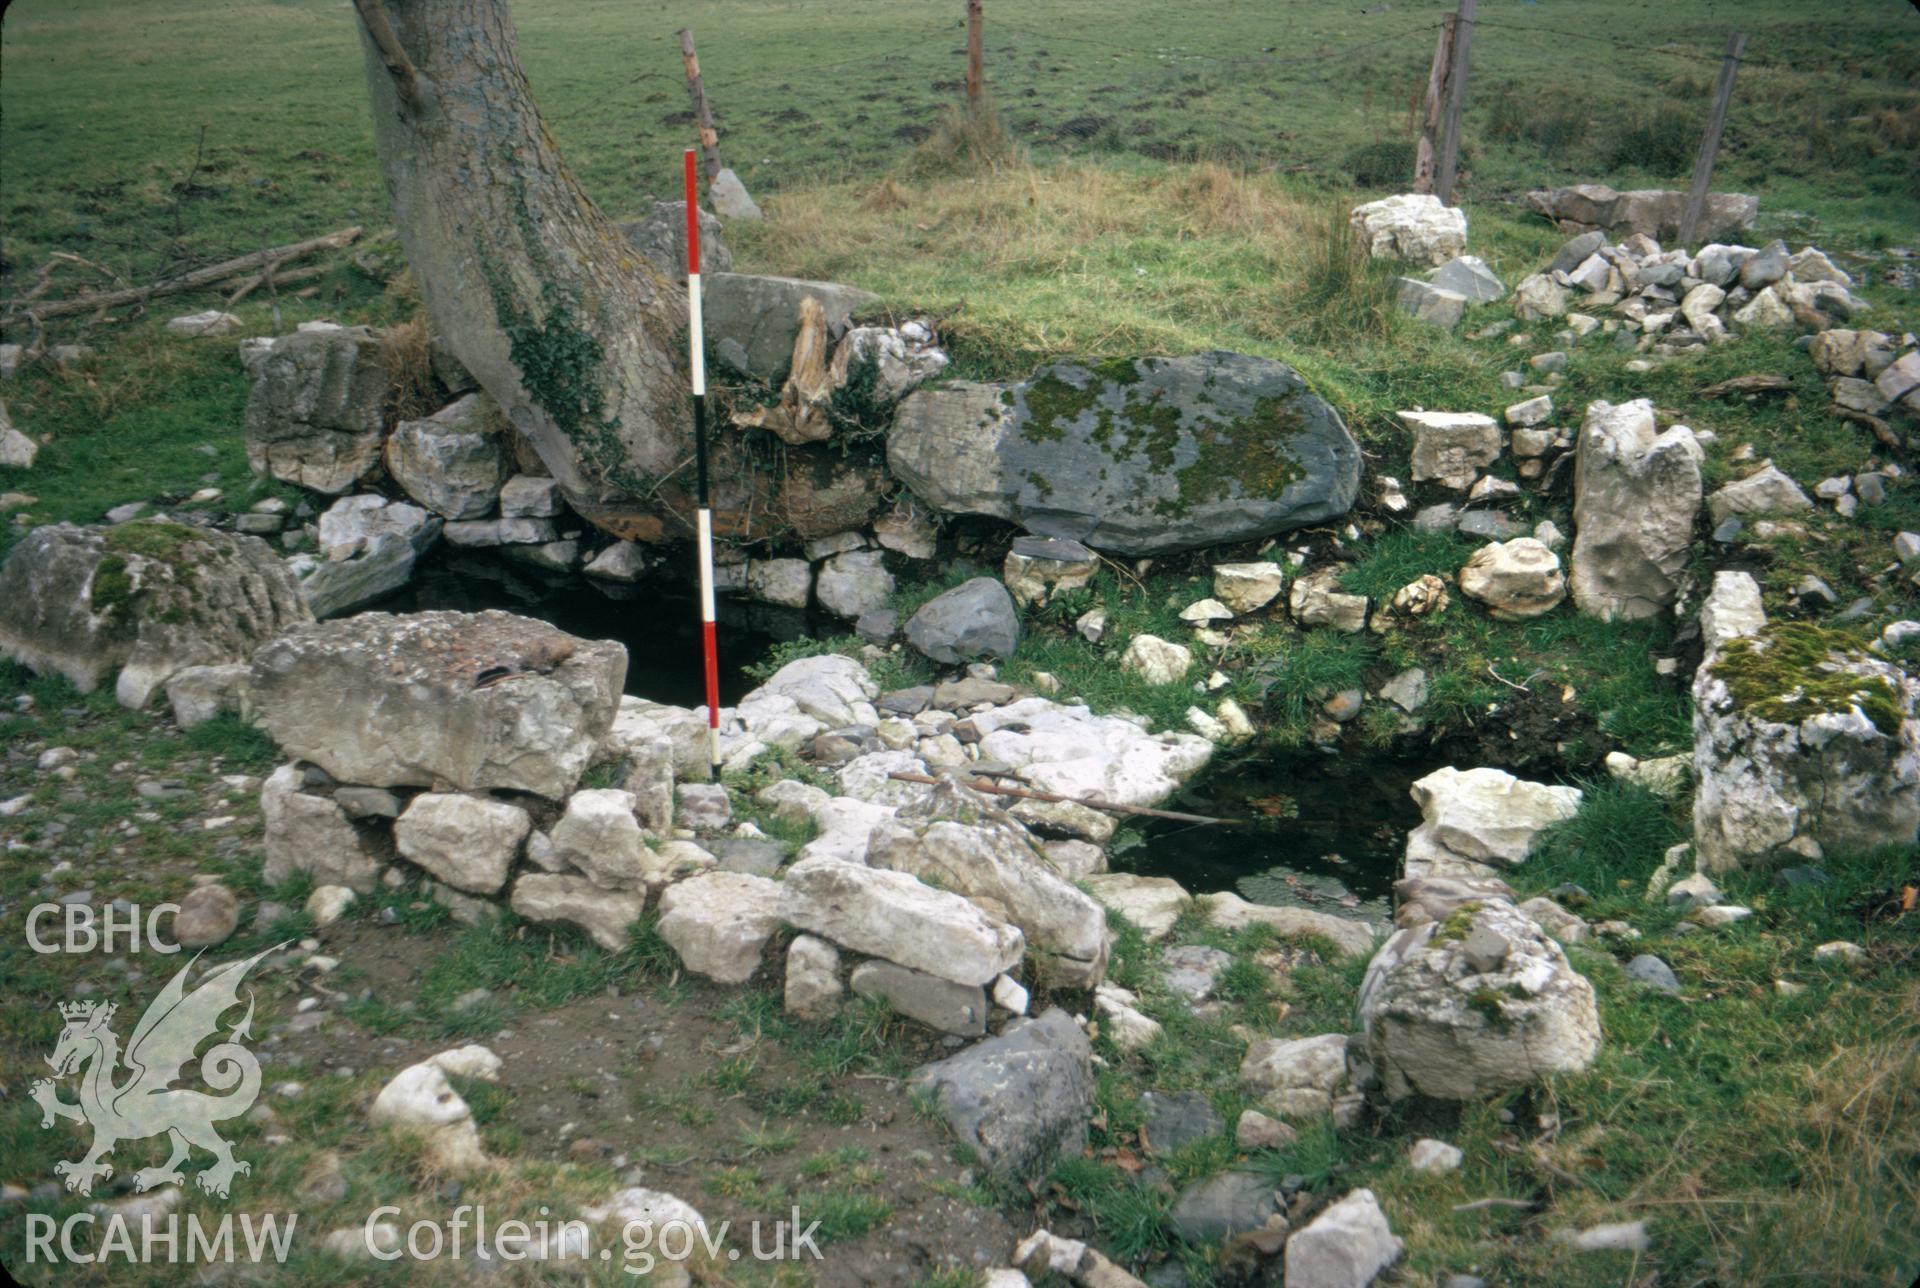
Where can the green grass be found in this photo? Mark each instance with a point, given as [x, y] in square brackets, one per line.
[1621, 834]
[1821, 120]
[1751, 1128]
[525, 966]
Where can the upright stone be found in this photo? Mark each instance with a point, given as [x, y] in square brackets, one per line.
[454, 461]
[1805, 744]
[760, 316]
[1346, 1246]
[720, 922]
[468, 842]
[1019, 1100]
[1038, 567]
[1483, 1003]
[1636, 495]
[973, 620]
[315, 417]
[305, 833]
[1451, 448]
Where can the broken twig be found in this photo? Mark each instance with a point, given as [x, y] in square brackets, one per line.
[19, 309]
[1480, 1204]
[995, 789]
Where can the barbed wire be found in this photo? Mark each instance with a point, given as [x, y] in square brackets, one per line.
[935, 45]
[600, 103]
[1264, 57]
[1710, 59]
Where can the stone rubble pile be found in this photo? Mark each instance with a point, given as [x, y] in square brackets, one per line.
[317, 418]
[1667, 302]
[455, 745]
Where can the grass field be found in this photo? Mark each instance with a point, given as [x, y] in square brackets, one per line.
[107, 104]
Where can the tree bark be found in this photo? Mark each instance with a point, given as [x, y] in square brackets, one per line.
[577, 337]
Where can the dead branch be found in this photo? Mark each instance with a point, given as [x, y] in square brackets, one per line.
[995, 789]
[1882, 432]
[406, 82]
[272, 279]
[1480, 1204]
[15, 310]
[1763, 384]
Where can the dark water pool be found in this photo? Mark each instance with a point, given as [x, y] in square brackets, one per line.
[659, 625]
[1323, 831]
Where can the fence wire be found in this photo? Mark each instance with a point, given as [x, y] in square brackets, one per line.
[1226, 83]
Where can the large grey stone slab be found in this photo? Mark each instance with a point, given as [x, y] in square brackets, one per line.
[1142, 456]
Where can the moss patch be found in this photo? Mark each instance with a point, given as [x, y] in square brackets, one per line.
[1794, 670]
[1053, 403]
[163, 541]
[1244, 457]
[112, 588]
[170, 576]
[1458, 923]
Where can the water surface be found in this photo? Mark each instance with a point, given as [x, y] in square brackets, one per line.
[1317, 831]
[660, 625]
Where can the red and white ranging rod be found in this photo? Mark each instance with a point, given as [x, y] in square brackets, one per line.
[697, 365]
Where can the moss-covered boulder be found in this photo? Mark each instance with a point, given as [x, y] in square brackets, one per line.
[1805, 744]
[147, 599]
[1140, 456]
[1481, 1003]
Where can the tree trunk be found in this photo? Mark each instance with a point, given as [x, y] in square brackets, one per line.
[576, 336]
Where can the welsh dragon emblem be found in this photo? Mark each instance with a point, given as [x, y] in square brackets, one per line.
[145, 1103]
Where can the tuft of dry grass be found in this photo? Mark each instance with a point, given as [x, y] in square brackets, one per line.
[968, 139]
[1024, 264]
[1857, 1156]
[884, 198]
[411, 389]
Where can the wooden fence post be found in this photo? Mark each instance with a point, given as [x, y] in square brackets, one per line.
[1448, 165]
[702, 113]
[975, 84]
[1710, 141]
[1430, 110]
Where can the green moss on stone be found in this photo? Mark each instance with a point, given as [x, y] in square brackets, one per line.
[112, 590]
[1458, 923]
[1244, 457]
[167, 581]
[1053, 404]
[1235, 456]
[1486, 1002]
[1794, 670]
[154, 540]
